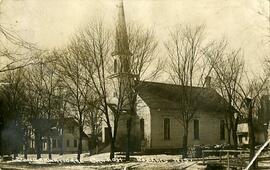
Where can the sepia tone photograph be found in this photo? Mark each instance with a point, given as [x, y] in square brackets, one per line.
[134, 84]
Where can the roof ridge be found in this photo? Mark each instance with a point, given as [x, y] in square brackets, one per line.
[171, 84]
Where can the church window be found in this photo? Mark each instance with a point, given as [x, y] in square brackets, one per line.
[222, 130]
[142, 128]
[167, 129]
[196, 129]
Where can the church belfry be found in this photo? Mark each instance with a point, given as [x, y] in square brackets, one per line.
[122, 55]
[121, 51]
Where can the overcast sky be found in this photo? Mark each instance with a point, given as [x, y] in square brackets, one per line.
[51, 23]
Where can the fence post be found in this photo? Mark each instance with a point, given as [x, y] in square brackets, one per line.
[241, 162]
[220, 156]
[228, 160]
[203, 156]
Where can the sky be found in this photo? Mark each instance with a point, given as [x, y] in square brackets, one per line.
[52, 23]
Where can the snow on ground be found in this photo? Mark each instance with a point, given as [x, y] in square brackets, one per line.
[99, 158]
[102, 161]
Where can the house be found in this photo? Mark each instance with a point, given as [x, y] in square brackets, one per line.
[64, 139]
[243, 134]
[68, 138]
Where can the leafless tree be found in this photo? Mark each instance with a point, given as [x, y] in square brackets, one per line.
[49, 87]
[228, 69]
[15, 52]
[17, 119]
[187, 68]
[145, 65]
[251, 94]
[95, 52]
[42, 100]
[35, 100]
[77, 82]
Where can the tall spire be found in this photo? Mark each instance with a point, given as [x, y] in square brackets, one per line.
[121, 38]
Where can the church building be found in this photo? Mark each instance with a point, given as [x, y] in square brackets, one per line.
[156, 125]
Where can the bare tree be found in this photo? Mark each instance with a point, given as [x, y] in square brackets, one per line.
[77, 82]
[41, 86]
[15, 52]
[251, 93]
[145, 65]
[228, 69]
[16, 117]
[95, 52]
[35, 100]
[187, 68]
[49, 88]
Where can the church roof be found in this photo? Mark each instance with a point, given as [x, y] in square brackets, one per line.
[168, 96]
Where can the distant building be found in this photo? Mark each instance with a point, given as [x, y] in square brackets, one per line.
[63, 139]
[243, 133]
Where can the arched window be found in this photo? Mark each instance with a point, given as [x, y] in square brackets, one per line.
[142, 128]
[167, 129]
[196, 129]
[222, 130]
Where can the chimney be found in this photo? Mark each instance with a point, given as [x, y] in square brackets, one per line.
[207, 82]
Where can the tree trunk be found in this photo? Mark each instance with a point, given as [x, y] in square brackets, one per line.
[251, 137]
[25, 143]
[80, 142]
[129, 121]
[49, 147]
[38, 143]
[62, 141]
[185, 140]
[234, 134]
[112, 139]
[112, 148]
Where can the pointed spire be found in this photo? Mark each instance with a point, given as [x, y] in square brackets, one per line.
[121, 38]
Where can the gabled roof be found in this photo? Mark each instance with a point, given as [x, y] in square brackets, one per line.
[168, 96]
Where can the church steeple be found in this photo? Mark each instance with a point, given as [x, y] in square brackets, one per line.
[121, 37]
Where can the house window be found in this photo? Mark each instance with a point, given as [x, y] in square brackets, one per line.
[222, 130]
[115, 66]
[167, 129]
[75, 143]
[67, 143]
[142, 128]
[196, 129]
[54, 143]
